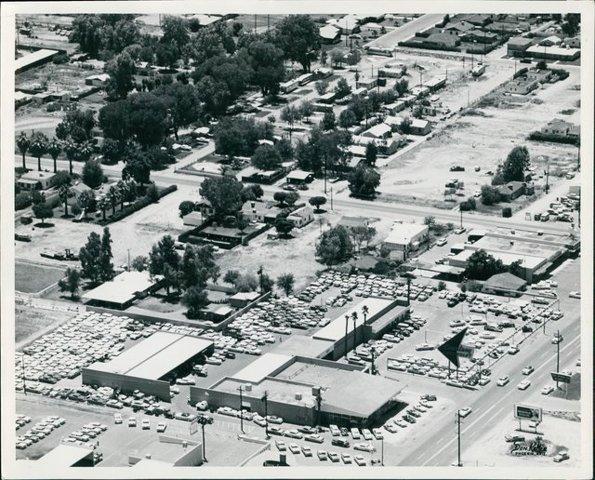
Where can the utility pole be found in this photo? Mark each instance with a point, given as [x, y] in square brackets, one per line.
[254, 23]
[547, 178]
[558, 356]
[382, 451]
[266, 416]
[204, 420]
[372, 366]
[241, 409]
[346, 330]
[354, 318]
[24, 380]
[331, 197]
[459, 463]
[461, 212]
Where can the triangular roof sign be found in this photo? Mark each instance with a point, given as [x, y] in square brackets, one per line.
[450, 348]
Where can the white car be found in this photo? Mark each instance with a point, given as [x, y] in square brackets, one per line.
[146, 425]
[361, 461]
[547, 390]
[524, 385]
[528, 370]
[355, 434]
[502, 381]
[463, 412]
[132, 422]
[367, 434]
[441, 242]
[161, 427]
[575, 295]
[117, 418]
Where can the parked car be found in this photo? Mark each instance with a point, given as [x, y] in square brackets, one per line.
[132, 422]
[161, 426]
[524, 385]
[547, 390]
[502, 381]
[117, 418]
[560, 457]
[464, 412]
[528, 370]
[339, 442]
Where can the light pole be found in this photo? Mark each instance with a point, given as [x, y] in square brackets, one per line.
[241, 409]
[346, 330]
[204, 420]
[266, 414]
[558, 356]
[382, 451]
[354, 318]
[459, 463]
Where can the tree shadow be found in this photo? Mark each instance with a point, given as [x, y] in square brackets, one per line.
[43, 225]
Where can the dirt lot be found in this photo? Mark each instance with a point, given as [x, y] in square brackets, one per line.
[483, 139]
[30, 320]
[137, 232]
[34, 278]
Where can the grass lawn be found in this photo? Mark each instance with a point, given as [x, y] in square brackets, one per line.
[31, 278]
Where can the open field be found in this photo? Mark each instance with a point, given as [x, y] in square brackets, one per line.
[483, 139]
[31, 278]
[30, 320]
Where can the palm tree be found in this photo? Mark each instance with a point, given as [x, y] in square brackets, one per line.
[346, 330]
[85, 150]
[365, 311]
[112, 197]
[23, 143]
[38, 147]
[103, 205]
[71, 149]
[63, 193]
[54, 149]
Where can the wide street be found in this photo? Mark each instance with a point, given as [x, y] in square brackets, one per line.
[354, 206]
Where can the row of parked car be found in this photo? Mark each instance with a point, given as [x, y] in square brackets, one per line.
[37, 432]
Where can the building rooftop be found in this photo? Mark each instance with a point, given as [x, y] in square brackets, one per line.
[155, 356]
[378, 130]
[519, 42]
[33, 57]
[506, 281]
[329, 32]
[554, 50]
[36, 175]
[335, 330]
[527, 261]
[304, 345]
[262, 367]
[402, 233]
[299, 175]
[122, 288]
[63, 456]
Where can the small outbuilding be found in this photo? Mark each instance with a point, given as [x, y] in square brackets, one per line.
[504, 284]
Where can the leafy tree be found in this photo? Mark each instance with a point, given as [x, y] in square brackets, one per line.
[342, 89]
[239, 136]
[61, 177]
[371, 153]
[541, 65]
[286, 282]
[405, 126]
[71, 282]
[286, 198]
[246, 283]
[516, 268]
[481, 266]
[290, 114]
[38, 146]
[175, 31]
[186, 207]
[489, 195]
[152, 193]
[297, 35]
[328, 121]
[165, 260]
[64, 192]
[402, 86]
[347, 118]
[183, 103]
[317, 202]
[113, 197]
[252, 192]
[148, 118]
[231, 276]
[363, 181]
[87, 31]
[92, 174]
[42, 211]
[114, 121]
[571, 24]
[140, 263]
[283, 226]
[54, 149]
[334, 246]
[103, 205]
[337, 57]
[111, 151]
[306, 110]
[224, 195]
[266, 61]
[77, 126]
[430, 221]
[23, 142]
[361, 235]
[87, 202]
[90, 257]
[121, 70]
[321, 86]
[516, 164]
[195, 299]
[266, 157]
[137, 168]
[106, 267]
[284, 148]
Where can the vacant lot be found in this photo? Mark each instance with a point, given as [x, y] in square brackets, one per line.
[30, 320]
[31, 278]
[482, 140]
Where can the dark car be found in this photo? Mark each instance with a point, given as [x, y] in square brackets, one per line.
[344, 432]
[230, 355]
[527, 328]
[452, 303]
[339, 442]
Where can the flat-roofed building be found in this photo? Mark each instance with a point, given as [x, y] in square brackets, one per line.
[405, 238]
[148, 365]
[122, 290]
[36, 180]
[34, 59]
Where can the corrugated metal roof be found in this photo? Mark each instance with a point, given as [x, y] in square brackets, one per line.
[262, 367]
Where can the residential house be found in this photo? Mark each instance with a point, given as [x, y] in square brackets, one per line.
[419, 126]
[372, 28]
[382, 130]
[299, 177]
[353, 222]
[554, 53]
[367, 83]
[329, 34]
[348, 24]
[479, 19]
[561, 128]
[517, 46]
[511, 190]
[393, 108]
[459, 27]
[301, 217]
[436, 83]
[551, 41]
[479, 36]
[573, 42]
[193, 219]
[260, 212]
[36, 180]
[443, 41]
[98, 80]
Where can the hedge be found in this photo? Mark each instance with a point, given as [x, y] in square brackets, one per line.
[522, 71]
[22, 200]
[507, 212]
[135, 207]
[549, 137]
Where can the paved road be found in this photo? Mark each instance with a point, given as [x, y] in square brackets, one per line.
[492, 403]
[390, 39]
[390, 210]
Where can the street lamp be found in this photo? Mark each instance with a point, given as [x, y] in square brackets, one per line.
[266, 414]
[459, 463]
[241, 409]
[354, 318]
[202, 421]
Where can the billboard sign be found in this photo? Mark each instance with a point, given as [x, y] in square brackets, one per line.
[560, 377]
[527, 412]
[450, 348]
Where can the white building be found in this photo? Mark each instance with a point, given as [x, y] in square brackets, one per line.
[301, 217]
[405, 238]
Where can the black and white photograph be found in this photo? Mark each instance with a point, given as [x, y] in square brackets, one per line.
[339, 237]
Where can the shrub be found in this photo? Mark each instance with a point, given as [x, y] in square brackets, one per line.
[507, 212]
[60, 59]
[474, 286]
[152, 193]
[22, 200]
[441, 285]
[75, 209]
[136, 206]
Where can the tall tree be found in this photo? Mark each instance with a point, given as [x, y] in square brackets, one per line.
[64, 192]
[224, 195]
[195, 299]
[90, 257]
[363, 181]
[121, 70]
[516, 164]
[38, 147]
[113, 197]
[42, 210]
[334, 246]
[290, 114]
[298, 37]
[23, 143]
[87, 202]
[164, 259]
[286, 283]
[92, 174]
[266, 157]
[105, 261]
[267, 65]
[371, 153]
[71, 282]
[54, 149]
